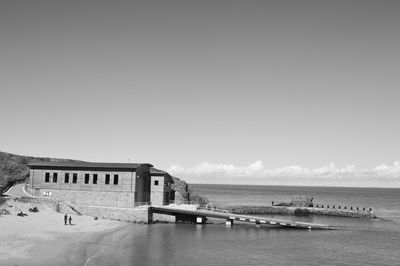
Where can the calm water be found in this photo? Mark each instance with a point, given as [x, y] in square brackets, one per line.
[357, 242]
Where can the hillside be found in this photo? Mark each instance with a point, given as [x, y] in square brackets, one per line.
[13, 169]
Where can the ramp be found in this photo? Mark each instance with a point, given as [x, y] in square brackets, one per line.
[204, 213]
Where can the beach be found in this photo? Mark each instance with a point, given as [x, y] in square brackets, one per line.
[41, 238]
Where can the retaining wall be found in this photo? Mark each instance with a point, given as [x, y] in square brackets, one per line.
[132, 215]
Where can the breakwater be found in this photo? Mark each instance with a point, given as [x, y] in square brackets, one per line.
[303, 211]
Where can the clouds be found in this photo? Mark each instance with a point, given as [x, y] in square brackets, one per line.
[256, 173]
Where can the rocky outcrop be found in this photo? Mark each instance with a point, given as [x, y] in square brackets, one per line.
[185, 194]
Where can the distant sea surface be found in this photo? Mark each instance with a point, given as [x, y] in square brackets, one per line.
[356, 242]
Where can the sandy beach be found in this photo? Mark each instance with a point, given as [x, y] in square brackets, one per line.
[42, 238]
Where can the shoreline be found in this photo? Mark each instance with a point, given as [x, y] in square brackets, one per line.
[43, 239]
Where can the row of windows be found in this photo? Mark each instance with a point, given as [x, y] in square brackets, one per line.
[74, 180]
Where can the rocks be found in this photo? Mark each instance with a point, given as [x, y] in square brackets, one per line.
[302, 201]
[4, 212]
[273, 210]
[250, 210]
[184, 194]
[302, 212]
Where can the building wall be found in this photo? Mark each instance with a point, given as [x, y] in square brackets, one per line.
[126, 180]
[100, 194]
[160, 190]
[124, 194]
[143, 184]
[94, 198]
[157, 190]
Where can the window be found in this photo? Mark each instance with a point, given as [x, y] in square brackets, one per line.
[115, 179]
[55, 177]
[47, 178]
[94, 178]
[66, 178]
[107, 179]
[87, 178]
[156, 182]
[74, 178]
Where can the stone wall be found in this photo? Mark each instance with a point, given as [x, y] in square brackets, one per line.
[163, 218]
[97, 198]
[132, 215]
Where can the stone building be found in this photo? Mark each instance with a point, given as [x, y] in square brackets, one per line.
[123, 185]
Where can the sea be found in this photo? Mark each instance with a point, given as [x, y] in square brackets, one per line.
[354, 242]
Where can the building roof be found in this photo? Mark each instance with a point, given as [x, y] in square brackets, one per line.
[158, 172]
[89, 166]
[66, 165]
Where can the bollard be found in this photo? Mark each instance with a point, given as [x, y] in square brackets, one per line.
[363, 208]
[339, 207]
[345, 207]
[333, 207]
[351, 207]
[327, 206]
[370, 209]
[322, 206]
[357, 208]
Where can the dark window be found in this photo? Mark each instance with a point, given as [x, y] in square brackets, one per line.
[66, 178]
[94, 178]
[55, 177]
[107, 179]
[115, 179]
[47, 178]
[87, 178]
[156, 182]
[74, 178]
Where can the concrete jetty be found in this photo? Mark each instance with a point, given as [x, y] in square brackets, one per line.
[200, 215]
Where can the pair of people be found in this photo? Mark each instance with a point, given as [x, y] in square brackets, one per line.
[67, 219]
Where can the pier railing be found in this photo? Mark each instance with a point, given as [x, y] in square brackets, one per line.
[341, 207]
[213, 209]
[179, 202]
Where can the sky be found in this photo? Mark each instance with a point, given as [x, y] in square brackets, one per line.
[241, 92]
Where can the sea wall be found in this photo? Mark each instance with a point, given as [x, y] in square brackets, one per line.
[274, 210]
[139, 214]
[131, 215]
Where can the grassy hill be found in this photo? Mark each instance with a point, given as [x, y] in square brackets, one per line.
[14, 169]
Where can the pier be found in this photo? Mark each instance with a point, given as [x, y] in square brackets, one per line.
[200, 216]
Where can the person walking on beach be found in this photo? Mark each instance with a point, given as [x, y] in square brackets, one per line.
[70, 220]
[65, 219]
